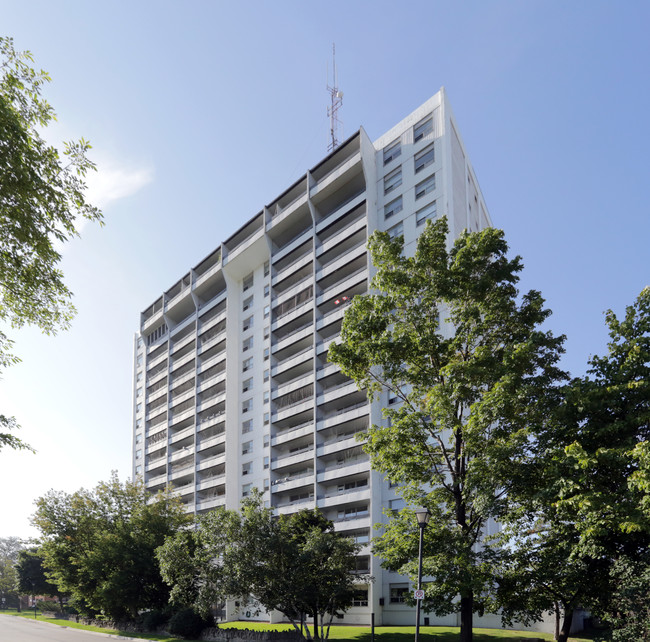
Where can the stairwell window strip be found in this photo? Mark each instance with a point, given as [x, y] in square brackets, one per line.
[424, 158]
[428, 211]
[394, 207]
[392, 151]
[393, 180]
[422, 129]
[425, 187]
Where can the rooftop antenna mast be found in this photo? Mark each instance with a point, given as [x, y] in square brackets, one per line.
[332, 111]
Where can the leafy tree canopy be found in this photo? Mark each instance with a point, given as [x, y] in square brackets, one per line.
[31, 574]
[296, 564]
[579, 507]
[42, 196]
[10, 548]
[446, 332]
[99, 546]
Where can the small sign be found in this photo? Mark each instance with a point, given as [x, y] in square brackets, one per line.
[418, 594]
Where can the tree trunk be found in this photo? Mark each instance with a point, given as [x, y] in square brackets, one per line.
[316, 624]
[566, 625]
[556, 609]
[466, 617]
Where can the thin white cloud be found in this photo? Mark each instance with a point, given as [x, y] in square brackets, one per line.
[113, 181]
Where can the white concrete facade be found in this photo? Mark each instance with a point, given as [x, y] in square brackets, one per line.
[232, 388]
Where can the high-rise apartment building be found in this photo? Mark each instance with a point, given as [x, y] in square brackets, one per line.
[233, 389]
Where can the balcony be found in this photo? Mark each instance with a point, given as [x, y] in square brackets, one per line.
[343, 415]
[209, 462]
[182, 434]
[302, 331]
[300, 381]
[336, 392]
[348, 467]
[344, 497]
[337, 445]
[293, 432]
[296, 266]
[209, 504]
[334, 174]
[293, 481]
[289, 459]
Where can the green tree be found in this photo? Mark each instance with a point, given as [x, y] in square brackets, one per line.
[31, 576]
[99, 546]
[579, 506]
[446, 332]
[10, 548]
[42, 197]
[296, 564]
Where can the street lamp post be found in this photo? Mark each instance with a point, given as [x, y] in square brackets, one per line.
[423, 516]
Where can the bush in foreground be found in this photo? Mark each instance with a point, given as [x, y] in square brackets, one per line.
[188, 624]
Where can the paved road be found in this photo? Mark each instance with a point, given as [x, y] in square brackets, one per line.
[18, 629]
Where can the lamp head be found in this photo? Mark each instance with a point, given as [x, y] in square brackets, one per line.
[422, 515]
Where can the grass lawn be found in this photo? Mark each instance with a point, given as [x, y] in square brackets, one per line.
[405, 633]
[338, 633]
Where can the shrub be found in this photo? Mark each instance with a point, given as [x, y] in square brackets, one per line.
[152, 620]
[48, 605]
[188, 624]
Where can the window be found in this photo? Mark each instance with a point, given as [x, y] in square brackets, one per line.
[266, 462]
[247, 364]
[267, 396]
[266, 484]
[267, 440]
[422, 129]
[267, 268]
[393, 180]
[247, 468]
[138, 377]
[267, 332]
[394, 207]
[246, 426]
[138, 439]
[248, 282]
[246, 490]
[359, 483]
[351, 513]
[266, 375]
[247, 385]
[138, 454]
[139, 360]
[138, 392]
[398, 593]
[426, 212]
[396, 505]
[267, 311]
[267, 352]
[425, 187]
[424, 158]
[138, 424]
[247, 405]
[247, 344]
[392, 151]
[247, 447]
[138, 470]
[267, 290]
[138, 408]
[248, 303]
[267, 418]
[360, 597]
[396, 230]
[248, 323]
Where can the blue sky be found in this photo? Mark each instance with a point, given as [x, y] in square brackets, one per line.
[200, 113]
